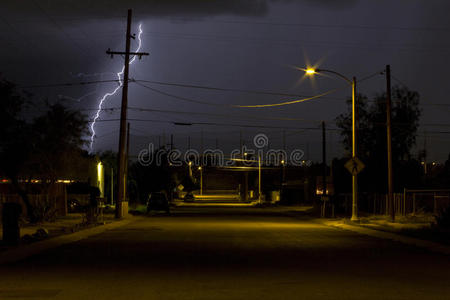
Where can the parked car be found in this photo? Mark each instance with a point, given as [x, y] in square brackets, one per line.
[158, 201]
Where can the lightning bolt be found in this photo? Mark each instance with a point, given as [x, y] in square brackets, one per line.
[113, 92]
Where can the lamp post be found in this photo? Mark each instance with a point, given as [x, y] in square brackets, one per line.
[259, 179]
[201, 180]
[352, 83]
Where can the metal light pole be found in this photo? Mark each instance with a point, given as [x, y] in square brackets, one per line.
[201, 180]
[259, 179]
[352, 83]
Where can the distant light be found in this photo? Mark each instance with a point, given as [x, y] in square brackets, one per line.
[423, 163]
[200, 168]
[64, 181]
[282, 162]
[310, 71]
[190, 163]
[434, 163]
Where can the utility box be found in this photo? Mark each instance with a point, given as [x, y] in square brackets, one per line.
[10, 219]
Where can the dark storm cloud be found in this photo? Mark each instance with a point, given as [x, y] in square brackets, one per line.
[96, 8]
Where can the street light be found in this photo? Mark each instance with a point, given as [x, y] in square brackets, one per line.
[352, 83]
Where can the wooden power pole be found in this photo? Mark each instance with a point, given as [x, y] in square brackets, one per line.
[127, 159]
[389, 143]
[324, 169]
[121, 162]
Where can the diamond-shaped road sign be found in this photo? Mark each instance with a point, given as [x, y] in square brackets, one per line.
[354, 165]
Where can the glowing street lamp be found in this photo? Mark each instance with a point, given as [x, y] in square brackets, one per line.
[352, 83]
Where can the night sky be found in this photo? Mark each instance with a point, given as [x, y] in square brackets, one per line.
[251, 45]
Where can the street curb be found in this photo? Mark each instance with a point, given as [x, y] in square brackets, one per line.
[20, 253]
[430, 246]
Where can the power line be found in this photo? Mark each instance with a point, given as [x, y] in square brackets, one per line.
[219, 115]
[67, 84]
[287, 102]
[180, 97]
[333, 26]
[234, 105]
[215, 124]
[213, 88]
[228, 38]
[205, 87]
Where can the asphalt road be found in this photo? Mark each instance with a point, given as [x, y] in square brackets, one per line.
[225, 253]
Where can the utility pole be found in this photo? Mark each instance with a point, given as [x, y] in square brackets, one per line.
[259, 180]
[324, 161]
[127, 158]
[389, 143]
[121, 176]
[425, 153]
[324, 168]
[112, 186]
[355, 216]
[240, 144]
[164, 140]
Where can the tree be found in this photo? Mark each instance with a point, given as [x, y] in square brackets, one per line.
[15, 138]
[371, 135]
[44, 148]
[58, 141]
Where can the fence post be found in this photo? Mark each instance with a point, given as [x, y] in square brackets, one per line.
[404, 201]
[404, 206]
